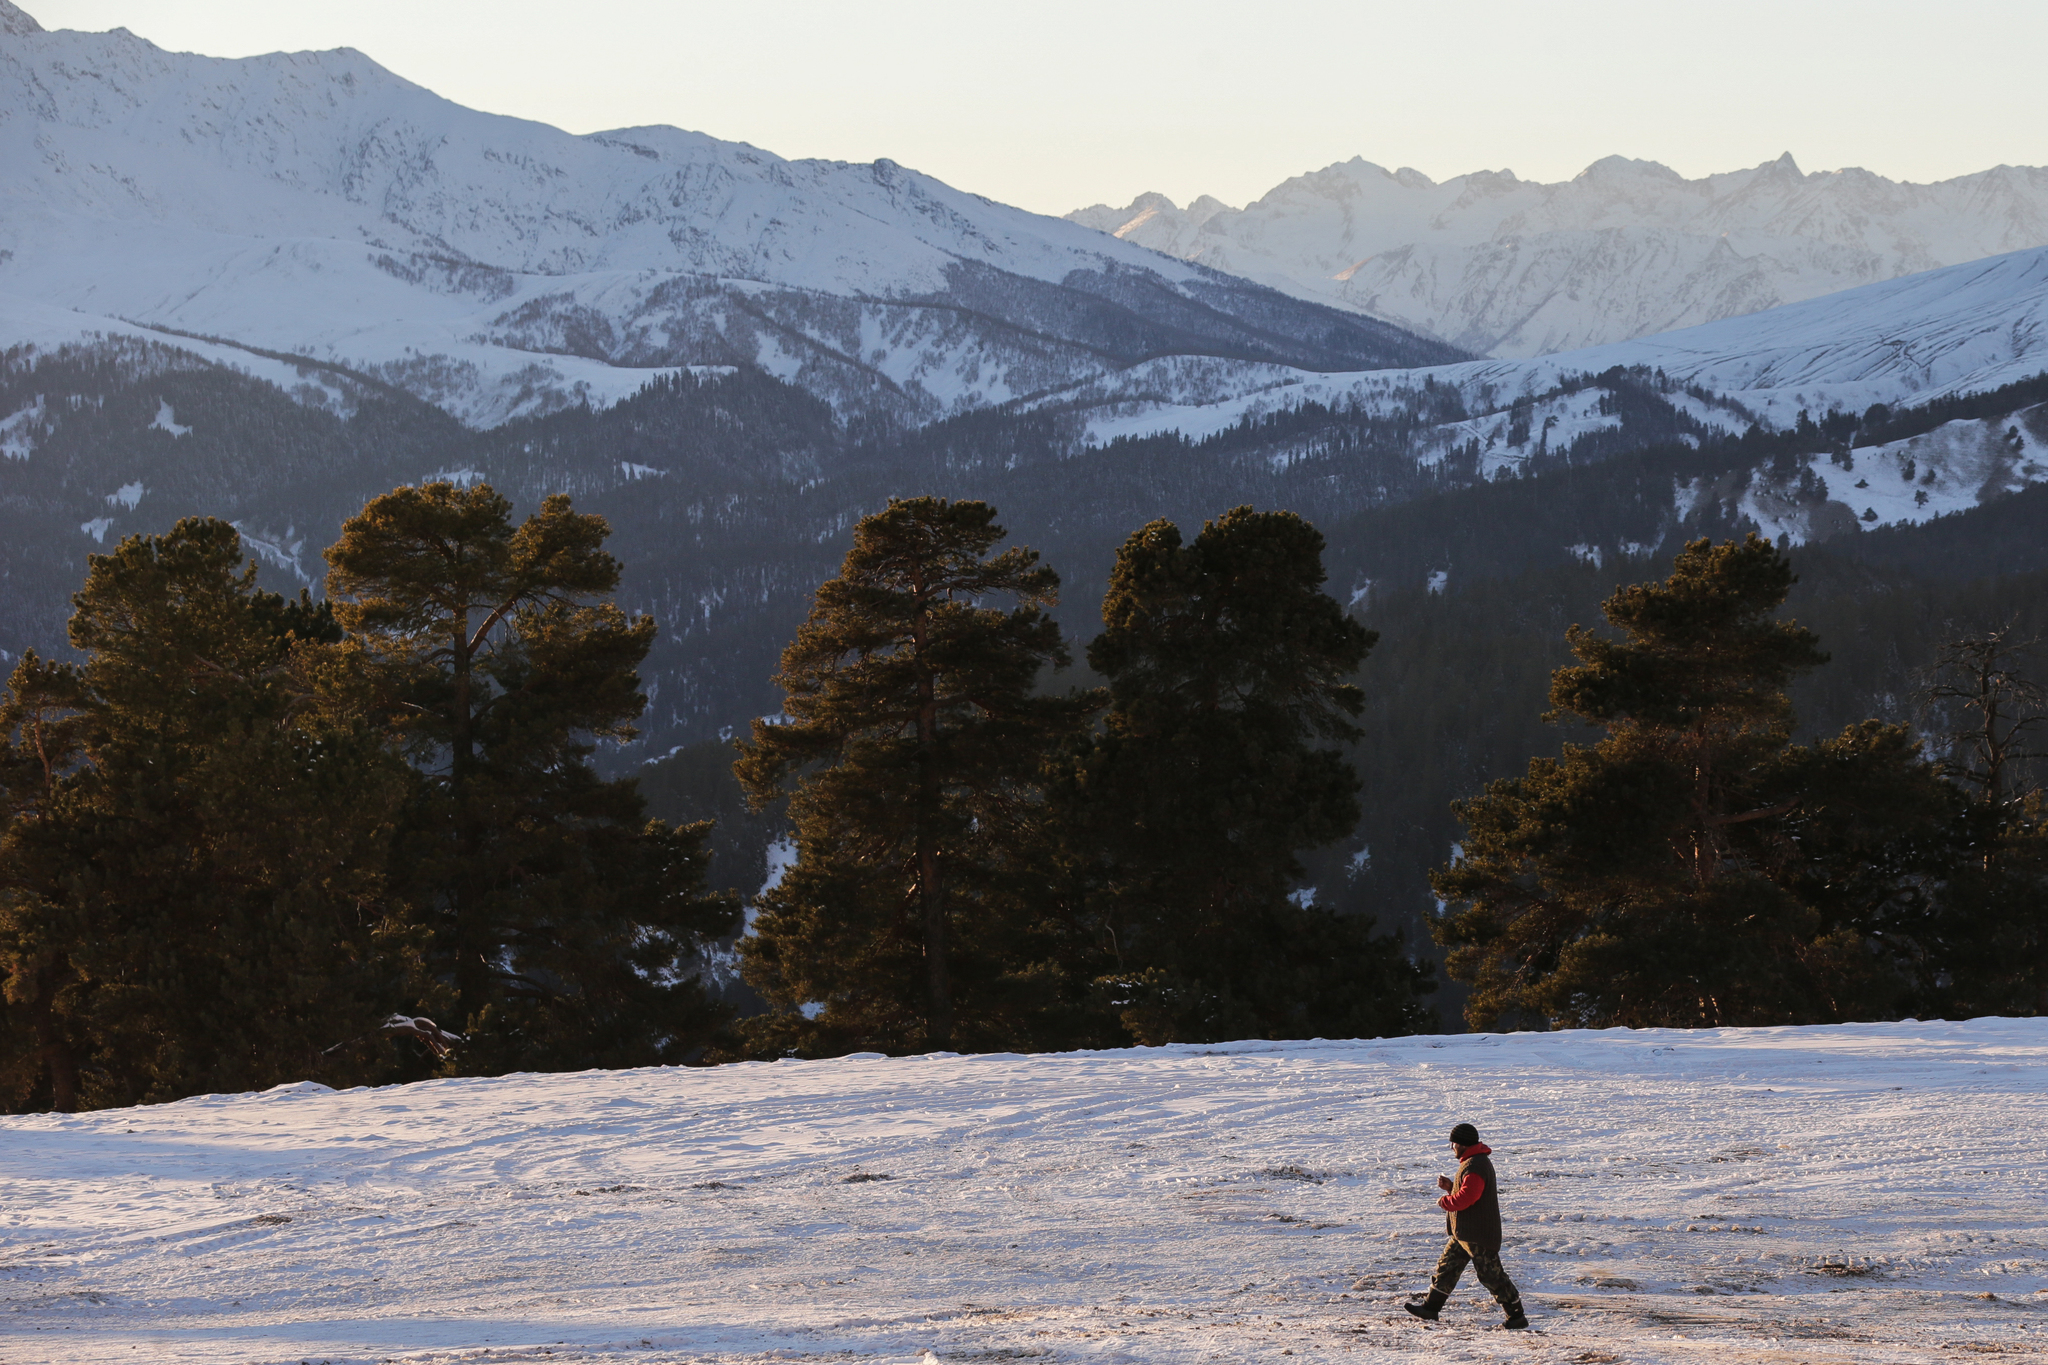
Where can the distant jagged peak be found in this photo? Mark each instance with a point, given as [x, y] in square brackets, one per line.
[17, 22]
[1491, 182]
[1151, 199]
[1340, 174]
[1143, 210]
[1149, 208]
[1628, 168]
[1343, 180]
[1154, 200]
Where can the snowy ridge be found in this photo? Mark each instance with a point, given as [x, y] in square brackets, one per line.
[318, 205]
[1963, 329]
[1868, 1192]
[1514, 268]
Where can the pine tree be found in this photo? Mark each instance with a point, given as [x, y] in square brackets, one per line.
[566, 928]
[915, 738]
[42, 724]
[1694, 867]
[1230, 677]
[192, 894]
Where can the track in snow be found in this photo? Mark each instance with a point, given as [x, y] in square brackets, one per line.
[1854, 1194]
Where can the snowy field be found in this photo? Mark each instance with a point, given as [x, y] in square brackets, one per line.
[1858, 1194]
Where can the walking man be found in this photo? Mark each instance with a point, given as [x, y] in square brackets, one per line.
[1471, 1206]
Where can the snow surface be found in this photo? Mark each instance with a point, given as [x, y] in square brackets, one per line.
[45, 327]
[17, 438]
[280, 551]
[1868, 1193]
[167, 420]
[1514, 268]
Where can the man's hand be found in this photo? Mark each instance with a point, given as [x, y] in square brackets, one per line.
[1443, 1182]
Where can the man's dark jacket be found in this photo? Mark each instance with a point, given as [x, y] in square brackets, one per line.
[1472, 1208]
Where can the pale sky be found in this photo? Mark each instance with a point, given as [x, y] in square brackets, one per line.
[1055, 104]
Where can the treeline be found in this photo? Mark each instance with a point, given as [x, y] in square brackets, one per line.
[250, 839]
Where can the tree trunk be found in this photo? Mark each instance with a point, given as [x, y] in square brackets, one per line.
[939, 1018]
[472, 972]
[51, 1044]
[930, 888]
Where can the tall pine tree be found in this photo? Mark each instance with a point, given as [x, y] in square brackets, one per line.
[192, 888]
[915, 737]
[566, 927]
[1230, 676]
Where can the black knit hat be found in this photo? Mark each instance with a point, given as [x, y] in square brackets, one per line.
[1465, 1135]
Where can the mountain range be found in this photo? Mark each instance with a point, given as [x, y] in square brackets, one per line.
[1513, 268]
[317, 205]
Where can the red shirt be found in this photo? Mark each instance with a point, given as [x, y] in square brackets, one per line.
[1470, 1185]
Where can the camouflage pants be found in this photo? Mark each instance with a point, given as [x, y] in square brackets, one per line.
[1486, 1264]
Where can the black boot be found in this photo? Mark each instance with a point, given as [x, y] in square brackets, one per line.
[1428, 1308]
[1516, 1319]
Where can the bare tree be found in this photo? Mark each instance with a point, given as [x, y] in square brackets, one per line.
[1989, 709]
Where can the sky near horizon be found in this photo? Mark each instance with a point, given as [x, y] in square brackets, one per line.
[1060, 103]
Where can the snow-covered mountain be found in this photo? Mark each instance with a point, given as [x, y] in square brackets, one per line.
[314, 204]
[1962, 329]
[1513, 268]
